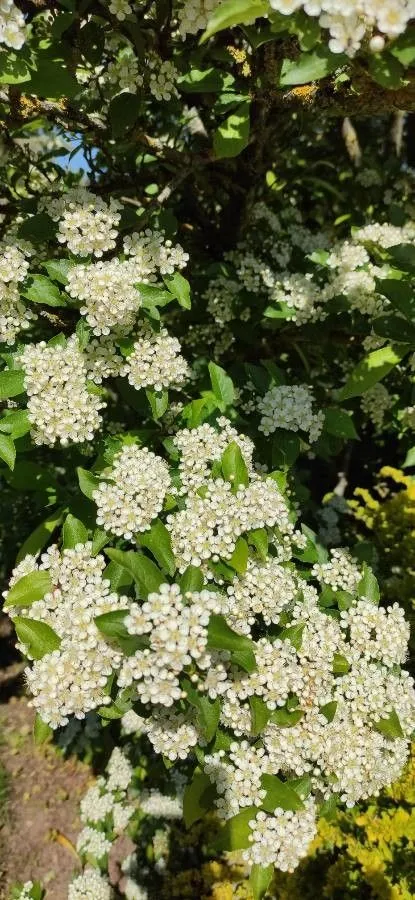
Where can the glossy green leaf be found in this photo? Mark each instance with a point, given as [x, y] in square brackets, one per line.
[232, 136]
[279, 795]
[198, 798]
[145, 573]
[29, 588]
[311, 66]
[222, 386]
[234, 12]
[73, 532]
[157, 539]
[339, 422]
[38, 637]
[372, 369]
[234, 467]
[7, 450]
[11, 383]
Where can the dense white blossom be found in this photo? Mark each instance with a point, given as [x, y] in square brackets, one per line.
[155, 361]
[14, 315]
[133, 493]
[341, 573]
[87, 224]
[209, 526]
[282, 838]
[108, 293]
[71, 680]
[90, 886]
[349, 24]
[152, 803]
[151, 252]
[291, 407]
[194, 15]
[60, 406]
[200, 447]
[93, 843]
[375, 403]
[12, 25]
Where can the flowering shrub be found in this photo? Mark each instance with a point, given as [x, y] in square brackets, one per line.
[197, 328]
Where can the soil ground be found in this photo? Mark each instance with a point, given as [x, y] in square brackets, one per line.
[40, 818]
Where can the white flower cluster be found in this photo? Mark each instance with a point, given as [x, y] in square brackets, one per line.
[102, 359]
[121, 9]
[349, 24]
[161, 806]
[122, 73]
[108, 293]
[177, 634]
[151, 252]
[375, 403]
[14, 315]
[134, 493]
[90, 886]
[301, 295]
[87, 224]
[71, 680]
[283, 838]
[194, 15]
[209, 526]
[91, 842]
[155, 361]
[163, 76]
[265, 589]
[200, 447]
[12, 25]
[385, 235]
[341, 573]
[60, 407]
[290, 406]
[220, 298]
[337, 680]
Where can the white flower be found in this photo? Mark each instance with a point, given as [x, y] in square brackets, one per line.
[291, 407]
[90, 886]
[93, 842]
[134, 494]
[155, 361]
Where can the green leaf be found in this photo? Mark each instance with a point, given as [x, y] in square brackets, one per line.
[117, 576]
[294, 633]
[310, 66]
[232, 136]
[279, 795]
[386, 70]
[13, 69]
[245, 659]
[234, 467]
[41, 290]
[38, 229]
[409, 459]
[100, 539]
[234, 12]
[208, 711]
[340, 423]
[222, 386]
[38, 637]
[144, 572]
[42, 732]
[11, 383]
[403, 255]
[240, 556]
[191, 580]
[112, 625]
[302, 786]
[38, 539]
[58, 270]
[395, 327]
[158, 541]
[179, 287]
[123, 112]
[258, 538]
[372, 369]
[403, 49]
[204, 81]
[329, 710]
[286, 447]
[88, 482]
[15, 423]
[7, 450]
[73, 533]
[341, 665]
[368, 585]
[159, 401]
[222, 637]
[28, 589]
[260, 879]
[400, 293]
[198, 798]
[260, 714]
[236, 832]
[390, 726]
[286, 718]
[51, 79]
